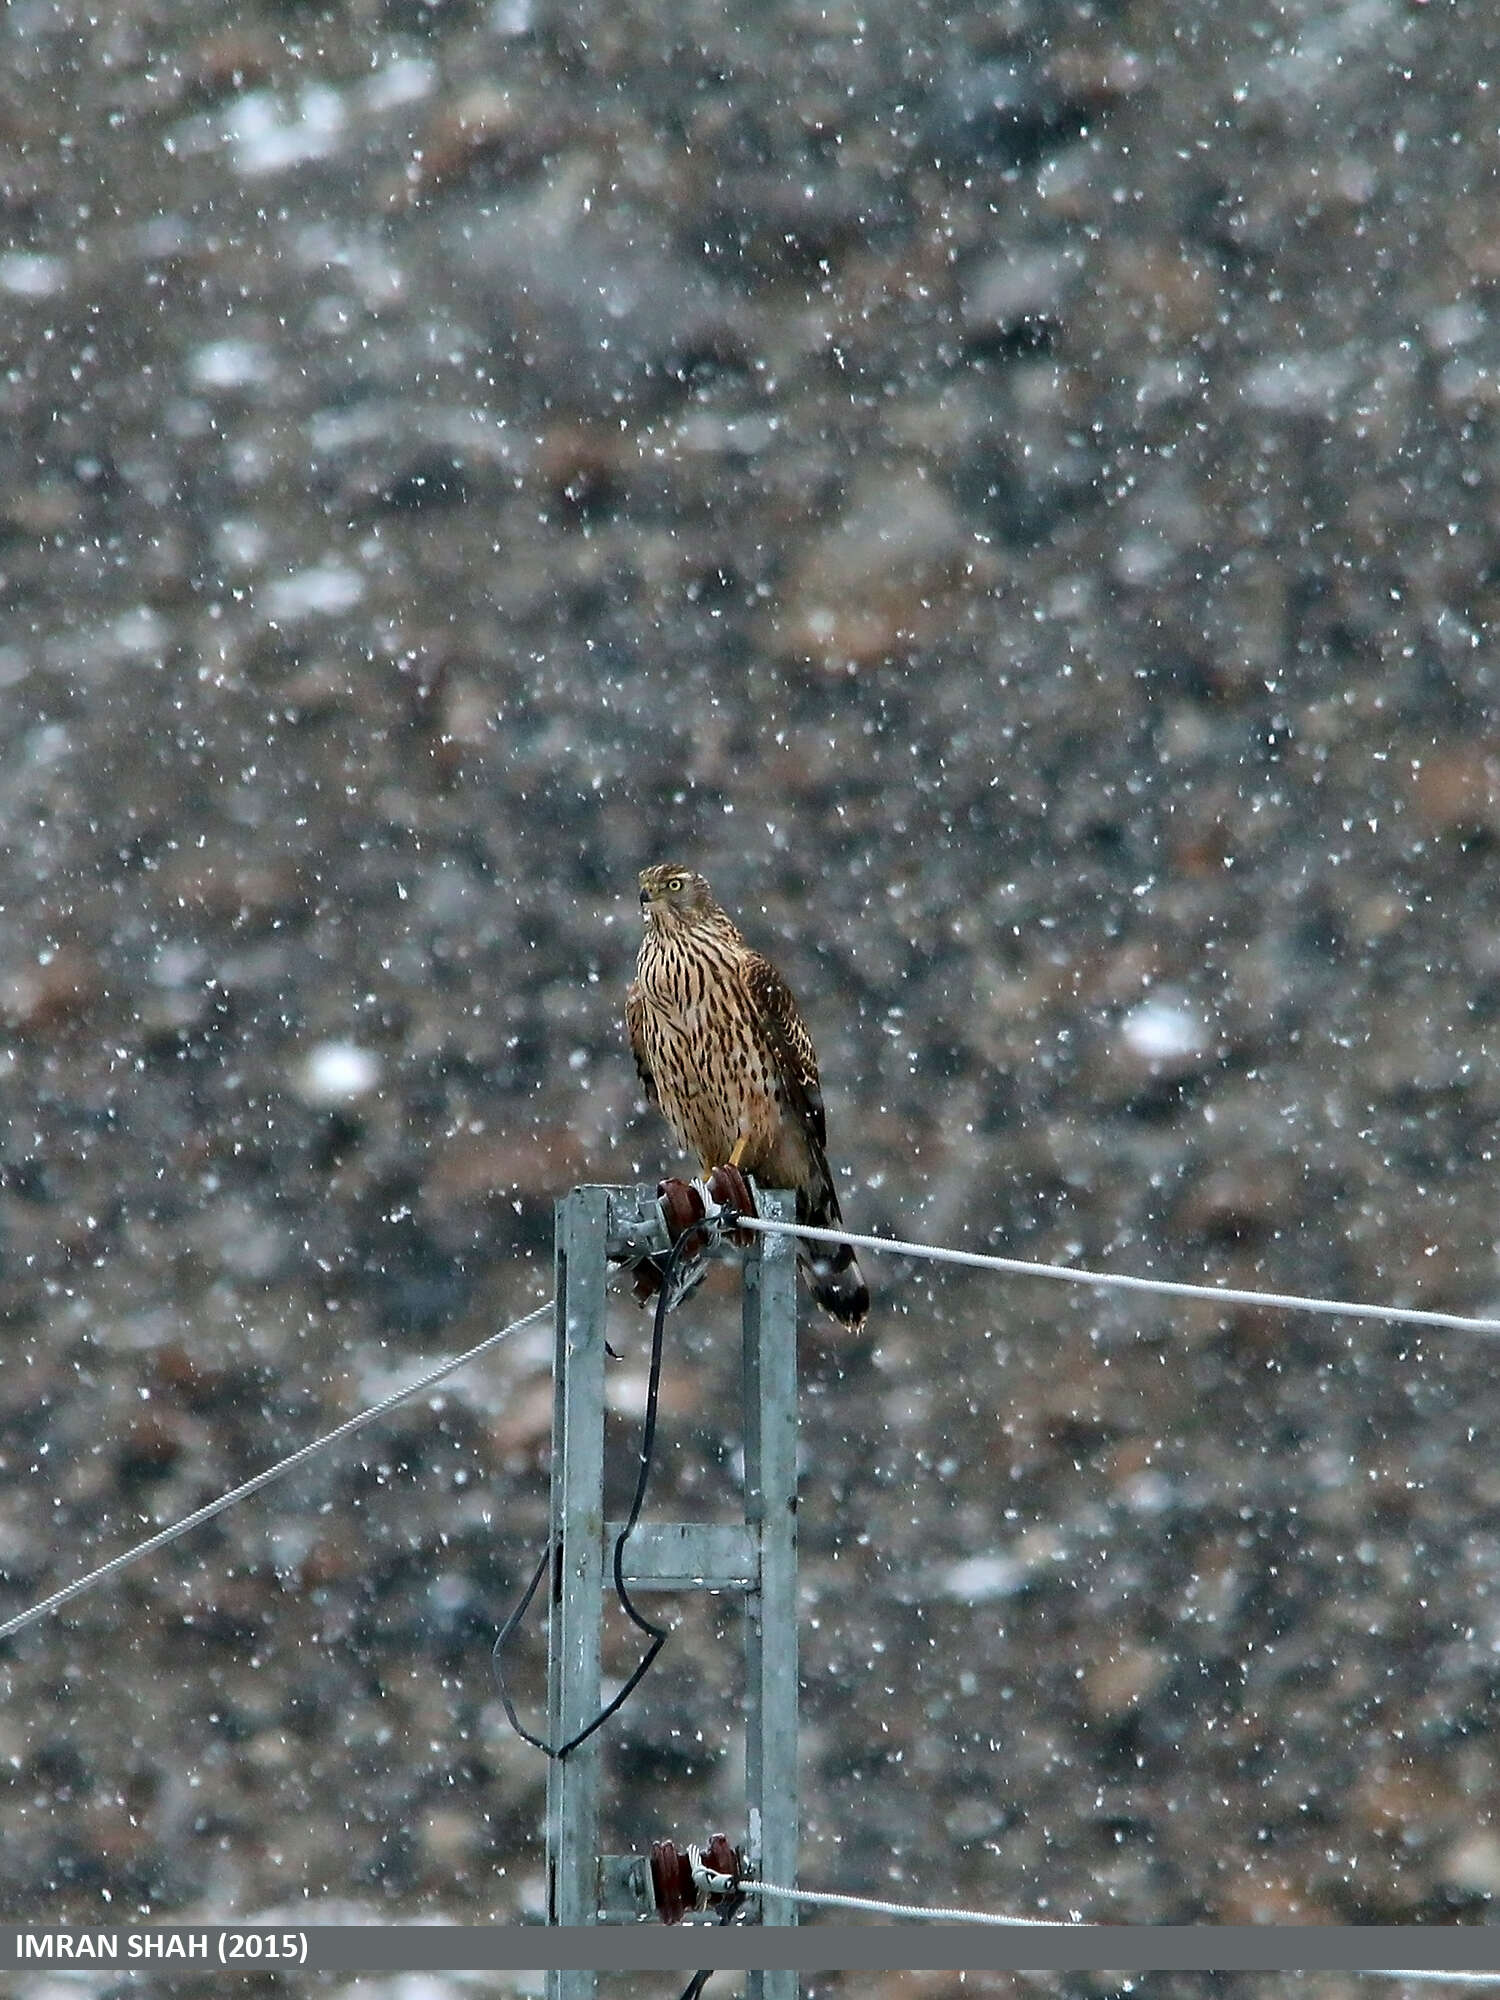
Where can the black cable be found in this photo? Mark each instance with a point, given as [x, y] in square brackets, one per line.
[658, 1634]
[502, 1642]
[728, 1911]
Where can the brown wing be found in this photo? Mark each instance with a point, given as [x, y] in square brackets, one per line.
[635, 1008]
[786, 1036]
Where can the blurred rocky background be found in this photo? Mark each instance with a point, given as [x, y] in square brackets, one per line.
[1011, 491]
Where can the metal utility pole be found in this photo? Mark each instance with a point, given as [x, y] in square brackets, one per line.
[757, 1558]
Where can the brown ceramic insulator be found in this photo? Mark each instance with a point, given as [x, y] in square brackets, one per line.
[681, 1206]
[719, 1855]
[671, 1881]
[730, 1189]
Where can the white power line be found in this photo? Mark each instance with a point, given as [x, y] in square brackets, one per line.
[1019, 1267]
[875, 1906]
[829, 1899]
[277, 1471]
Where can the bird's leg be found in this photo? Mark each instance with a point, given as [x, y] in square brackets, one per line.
[736, 1158]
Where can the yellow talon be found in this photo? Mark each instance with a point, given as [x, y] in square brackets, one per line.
[737, 1156]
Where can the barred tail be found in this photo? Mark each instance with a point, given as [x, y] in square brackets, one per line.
[831, 1269]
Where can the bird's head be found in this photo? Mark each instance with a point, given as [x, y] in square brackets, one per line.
[674, 894]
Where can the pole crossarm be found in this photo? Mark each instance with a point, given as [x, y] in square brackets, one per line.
[755, 1556]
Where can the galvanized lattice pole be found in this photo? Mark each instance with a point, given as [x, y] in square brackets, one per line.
[769, 1319]
[573, 1628]
[758, 1558]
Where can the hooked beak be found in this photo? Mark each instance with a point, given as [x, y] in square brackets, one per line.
[645, 899]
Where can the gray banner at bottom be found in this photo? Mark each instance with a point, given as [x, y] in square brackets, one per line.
[817, 1948]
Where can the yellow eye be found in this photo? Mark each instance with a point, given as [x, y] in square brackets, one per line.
[674, 887]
